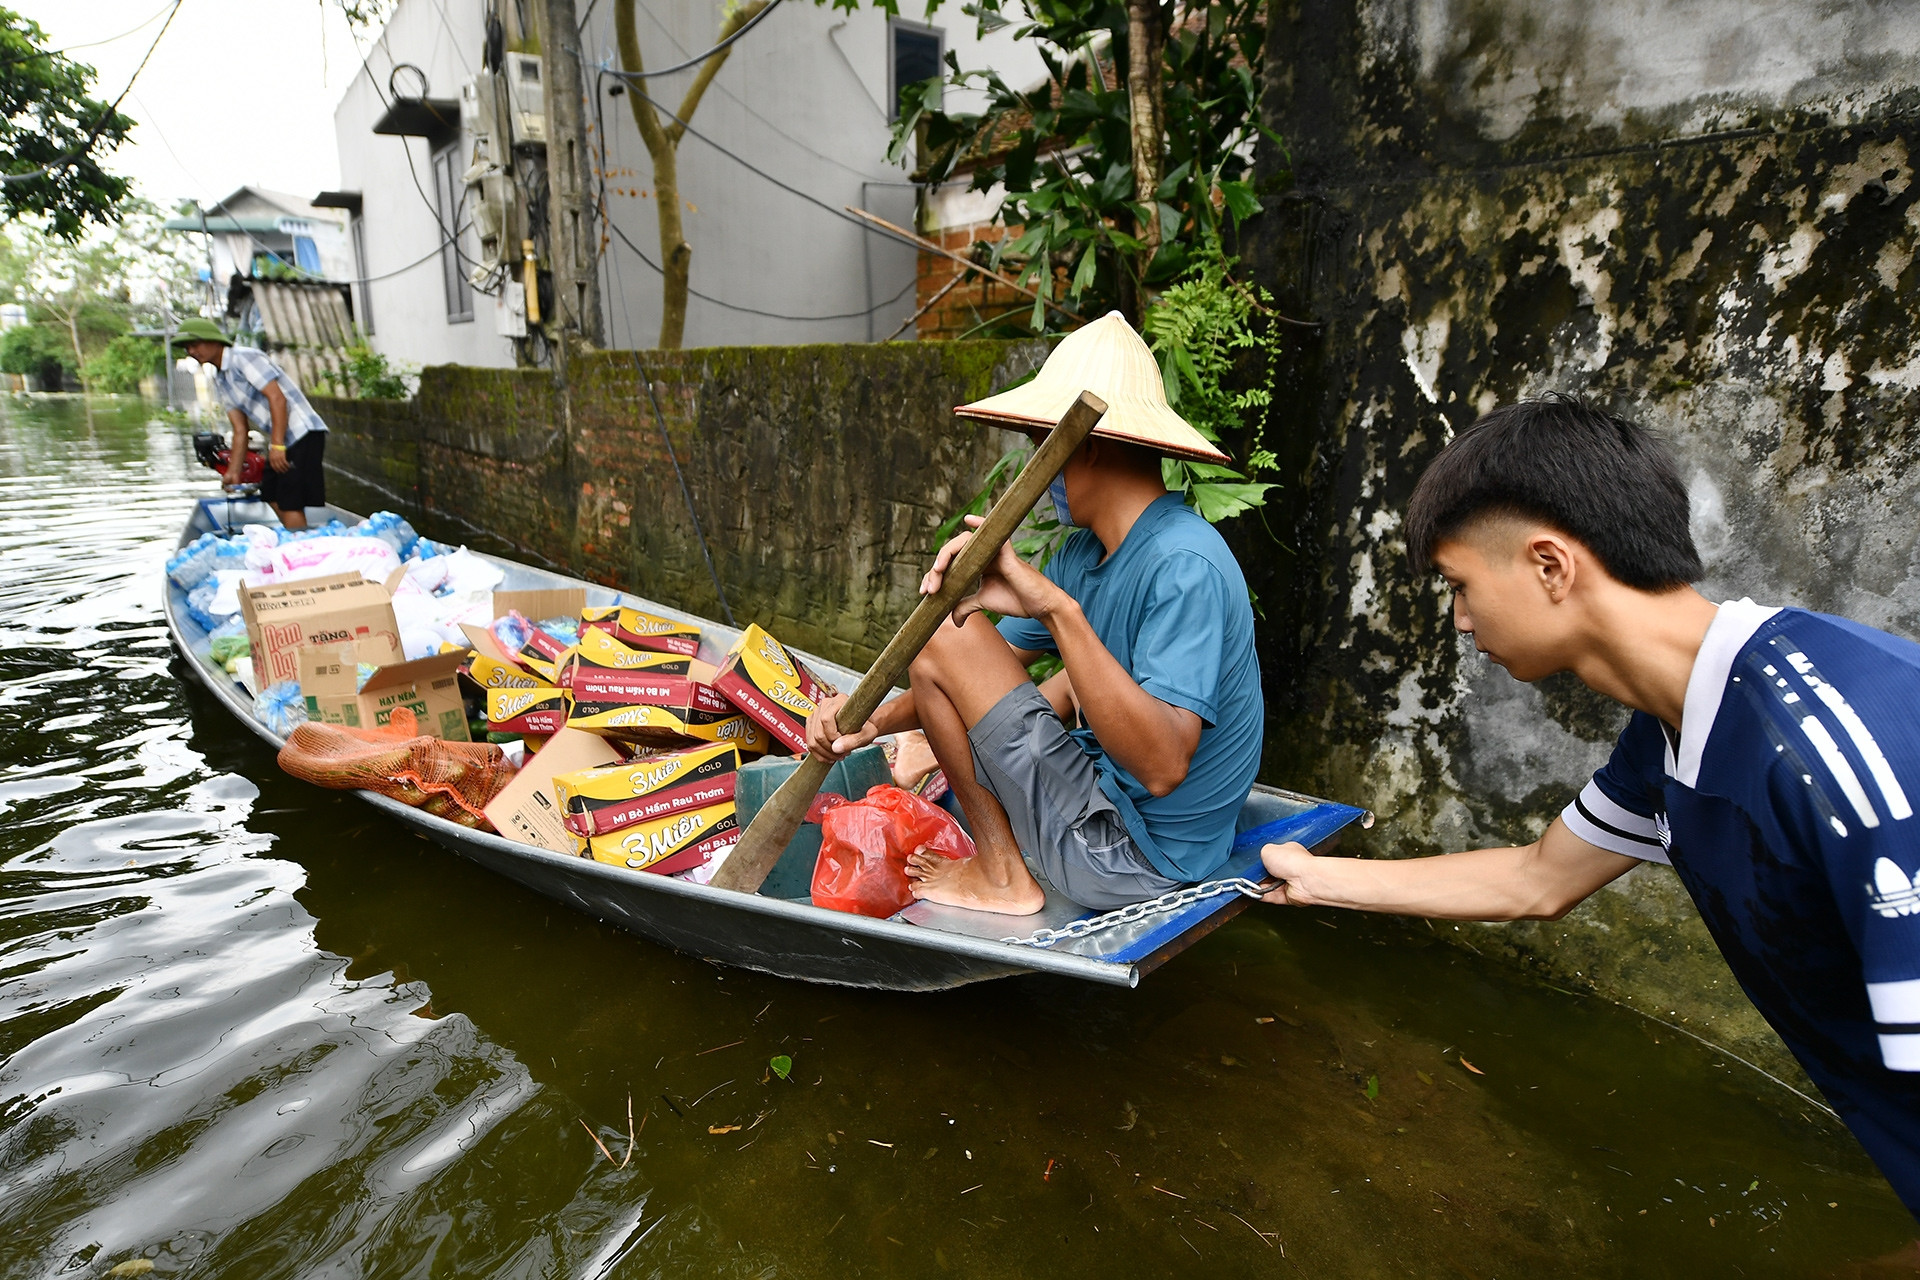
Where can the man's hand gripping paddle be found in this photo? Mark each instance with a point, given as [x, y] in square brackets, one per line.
[747, 868]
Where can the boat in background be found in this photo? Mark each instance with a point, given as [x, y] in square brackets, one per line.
[922, 948]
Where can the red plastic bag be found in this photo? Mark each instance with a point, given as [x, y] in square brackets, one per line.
[864, 846]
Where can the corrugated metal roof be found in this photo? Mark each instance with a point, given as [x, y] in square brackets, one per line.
[305, 325]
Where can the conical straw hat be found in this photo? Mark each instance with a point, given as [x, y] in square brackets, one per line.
[1109, 359]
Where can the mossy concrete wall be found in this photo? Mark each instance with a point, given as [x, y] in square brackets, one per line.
[818, 473]
[1702, 213]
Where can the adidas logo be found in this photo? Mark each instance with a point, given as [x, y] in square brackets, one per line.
[1893, 893]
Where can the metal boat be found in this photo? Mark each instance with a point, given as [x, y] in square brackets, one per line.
[923, 948]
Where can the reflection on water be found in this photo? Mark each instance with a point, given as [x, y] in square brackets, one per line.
[251, 1029]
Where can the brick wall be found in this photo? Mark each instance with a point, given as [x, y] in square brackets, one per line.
[818, 473]
[972, 301]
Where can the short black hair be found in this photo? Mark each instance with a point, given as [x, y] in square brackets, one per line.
[1566, 462]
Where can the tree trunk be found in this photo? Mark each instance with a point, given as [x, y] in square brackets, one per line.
[663, 146]
[79, 358]
[1145, 40]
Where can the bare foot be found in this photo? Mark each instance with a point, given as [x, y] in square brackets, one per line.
[969, 882]
[913, 760]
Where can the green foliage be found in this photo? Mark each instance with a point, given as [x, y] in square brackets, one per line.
[47, 120]
[1201, 329]
[123, 362]
[367, 374]
[781, 1065]
[1064, 150]
[36, 349]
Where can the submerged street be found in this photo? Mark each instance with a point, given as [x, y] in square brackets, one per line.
[252, 1028]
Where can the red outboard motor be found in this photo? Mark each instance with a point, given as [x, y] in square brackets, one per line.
[214, 452]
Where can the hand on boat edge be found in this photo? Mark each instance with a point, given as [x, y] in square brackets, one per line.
[1285, 862]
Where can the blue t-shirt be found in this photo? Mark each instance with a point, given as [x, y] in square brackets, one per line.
[1787, 807]
[1171, 606]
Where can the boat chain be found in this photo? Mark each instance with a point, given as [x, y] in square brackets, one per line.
[1141, 910]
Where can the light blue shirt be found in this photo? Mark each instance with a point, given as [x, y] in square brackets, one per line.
[1170, 604]
[242, 380]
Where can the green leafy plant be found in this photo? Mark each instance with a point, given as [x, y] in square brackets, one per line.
[781, 1065]
[1200, 329]
[51, 129]
[368, 375]
[1080, 227]
[122, 363]
[36, 349]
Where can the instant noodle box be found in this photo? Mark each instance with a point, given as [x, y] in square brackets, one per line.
[491, 673]
[678, 842]
[645, 630]
[663, 711]
[598, 649]
[535, 711]
[614, 797]
[774, 688]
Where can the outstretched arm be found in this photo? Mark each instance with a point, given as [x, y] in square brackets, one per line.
[1540, 881]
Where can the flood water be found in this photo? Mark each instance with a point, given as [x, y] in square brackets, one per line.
[249, 1028]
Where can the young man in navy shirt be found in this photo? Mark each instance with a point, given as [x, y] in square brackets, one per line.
[1773, 757]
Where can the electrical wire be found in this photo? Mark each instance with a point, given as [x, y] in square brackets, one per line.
[750, 24]
[88, 44]
[100, 124]
[754, 311]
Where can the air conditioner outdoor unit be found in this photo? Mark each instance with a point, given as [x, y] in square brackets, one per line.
[525, 92]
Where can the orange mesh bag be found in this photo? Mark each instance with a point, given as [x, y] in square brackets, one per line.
[451, 780]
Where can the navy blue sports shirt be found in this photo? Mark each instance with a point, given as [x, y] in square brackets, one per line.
[1786, 805]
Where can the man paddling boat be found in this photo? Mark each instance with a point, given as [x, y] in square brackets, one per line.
[1121, 776]
[257, 391]
[1773, 755]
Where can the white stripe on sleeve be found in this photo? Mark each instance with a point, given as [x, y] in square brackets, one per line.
[1595, 818]
[1895, 1002]
[1901, 1052]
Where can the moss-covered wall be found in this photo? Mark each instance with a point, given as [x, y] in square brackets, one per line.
[1702, 213]
[818, 473]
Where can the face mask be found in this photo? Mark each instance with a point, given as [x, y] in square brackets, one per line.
[1058, 492]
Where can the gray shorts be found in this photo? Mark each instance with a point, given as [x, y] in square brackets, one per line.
[1071, 834]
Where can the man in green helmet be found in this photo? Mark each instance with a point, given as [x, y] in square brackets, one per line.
[257, 392]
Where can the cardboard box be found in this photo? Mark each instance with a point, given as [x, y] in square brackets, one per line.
[428, 687]
[491, 673]
[539, 605]
[596, 801]
[678, 842]
[645, 630]
[598, 649]
[771, 686]
[527, 809]
[535, 711]
[344, 607]
[669, 726]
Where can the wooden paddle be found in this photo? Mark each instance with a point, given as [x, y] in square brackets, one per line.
[747, 868]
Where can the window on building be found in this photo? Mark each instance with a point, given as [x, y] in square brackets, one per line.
[913, 55]
[362, 291]
[448, 193]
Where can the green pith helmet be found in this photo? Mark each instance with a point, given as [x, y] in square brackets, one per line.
[196, 329]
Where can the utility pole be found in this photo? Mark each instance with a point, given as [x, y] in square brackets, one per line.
[570, 232]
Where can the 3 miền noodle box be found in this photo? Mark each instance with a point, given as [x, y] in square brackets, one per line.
[598, 650]
[660, 711]
[536, 711]
[645, 630]
[596, 801]
[491, 673]
[428, 688]
[675, 843]
[341, 608]
[771, 686]
[527, 809]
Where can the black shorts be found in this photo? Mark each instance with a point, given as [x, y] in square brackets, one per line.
[304, 483]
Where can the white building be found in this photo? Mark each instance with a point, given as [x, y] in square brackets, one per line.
[260, 233]
[803, 100]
